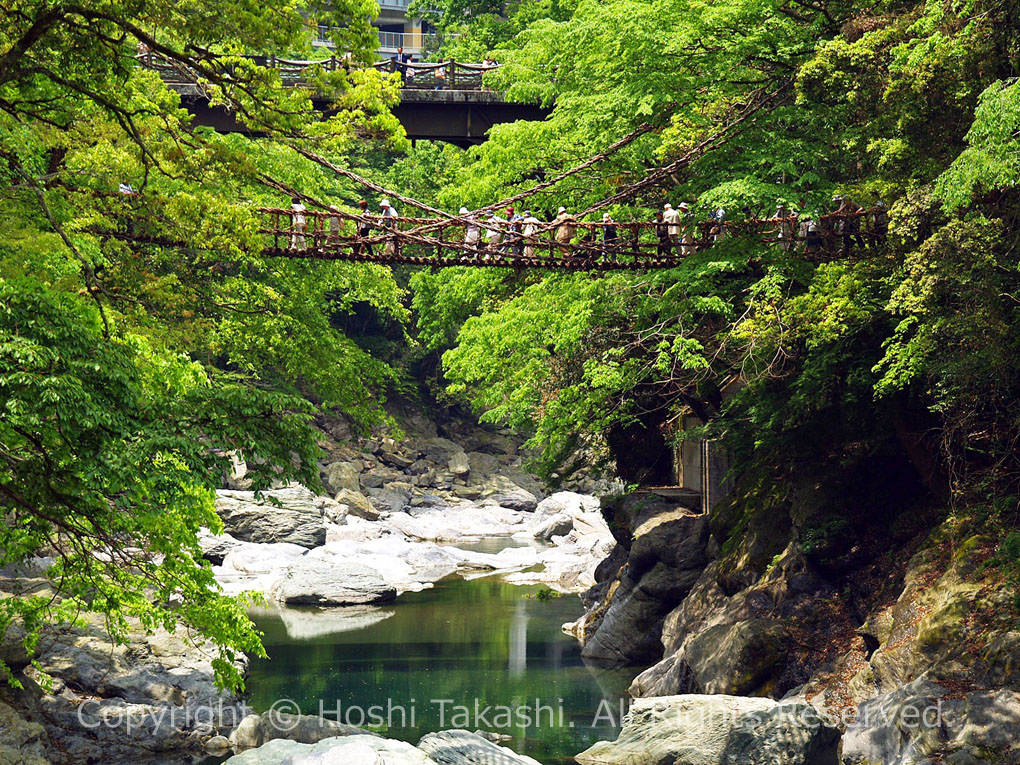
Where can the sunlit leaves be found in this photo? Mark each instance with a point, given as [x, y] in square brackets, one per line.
[144, 336]
[992, 157]
[110, 456]
[884, 97]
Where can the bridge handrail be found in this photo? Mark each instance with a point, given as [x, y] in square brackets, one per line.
[580, 224]
[322, 232]
[391, 65]
[459, 76]
[335, 234]
[421, 74]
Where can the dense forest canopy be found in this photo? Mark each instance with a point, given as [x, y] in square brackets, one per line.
[129, 373]
[905, 103]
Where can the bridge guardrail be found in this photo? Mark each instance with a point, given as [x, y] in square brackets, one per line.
[341, 235]
[453, 75]
[616, 244]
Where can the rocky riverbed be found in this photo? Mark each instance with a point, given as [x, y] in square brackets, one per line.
[394, 517]
[886, 649]
[451, 747]
[86, 700]
[349, 551]
[762, 644]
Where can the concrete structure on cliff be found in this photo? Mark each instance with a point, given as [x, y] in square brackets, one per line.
[700, 466]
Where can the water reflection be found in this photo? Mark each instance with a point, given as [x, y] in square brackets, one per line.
[303, 624]
[474, 654]
[519, 640]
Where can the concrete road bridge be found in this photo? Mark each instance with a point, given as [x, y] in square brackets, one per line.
[438, 102]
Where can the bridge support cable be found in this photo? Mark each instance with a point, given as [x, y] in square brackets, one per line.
[641, 130]
[609, 151]
[409, 201]
[757, 103]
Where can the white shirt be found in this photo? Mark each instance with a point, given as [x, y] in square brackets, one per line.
[672, 217]
[299, 213]
[494, 234]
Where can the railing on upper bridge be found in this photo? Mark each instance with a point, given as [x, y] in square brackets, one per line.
[453, 75]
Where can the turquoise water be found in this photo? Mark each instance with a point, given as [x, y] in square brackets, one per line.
[428, 660]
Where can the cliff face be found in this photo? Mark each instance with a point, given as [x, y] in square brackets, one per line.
[857, 593]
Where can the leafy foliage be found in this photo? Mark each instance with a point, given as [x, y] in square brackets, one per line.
[111, 453]
[913, 104]
[130, 372]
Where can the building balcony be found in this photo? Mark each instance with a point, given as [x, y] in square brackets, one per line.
[413, 43]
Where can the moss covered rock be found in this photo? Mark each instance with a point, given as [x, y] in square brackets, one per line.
[21, 742]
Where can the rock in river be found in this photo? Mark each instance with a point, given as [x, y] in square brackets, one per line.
[345, 750]
[666, 558]
[315, 581]
[341, 475]
[508, 494]
[568, 502]
[461, 747]
[718, 730]
[357, 504]
[557, 526]
[153, 698]
[297, 519]
[459, 464]
[737, 659]
[923, 720]
[256, 730]
[21, 742]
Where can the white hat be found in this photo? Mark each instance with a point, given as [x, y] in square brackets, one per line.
[384, 203]
[463, 211]
[683, 206]
[605, 216]
[562, 209]
[668, 206]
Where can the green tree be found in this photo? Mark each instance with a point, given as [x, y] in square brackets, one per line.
[883, 107]
[129, 370]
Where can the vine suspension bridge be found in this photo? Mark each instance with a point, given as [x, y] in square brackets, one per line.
[633, 246]
[438, 242]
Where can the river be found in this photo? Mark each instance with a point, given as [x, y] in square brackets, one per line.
[477, 653]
